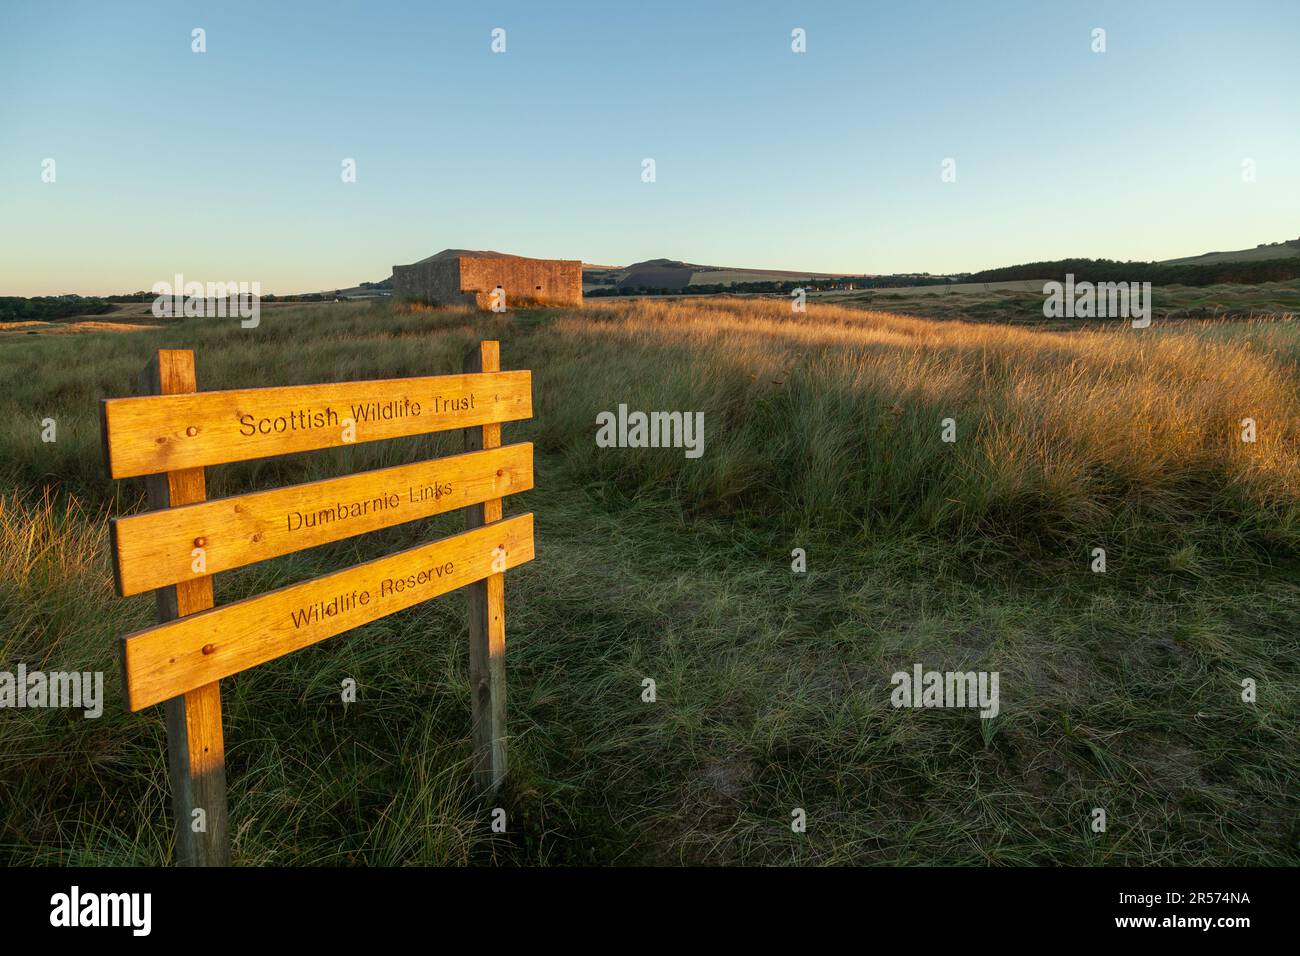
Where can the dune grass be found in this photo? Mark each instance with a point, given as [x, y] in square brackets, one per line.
[822, 431]
[1020, 302]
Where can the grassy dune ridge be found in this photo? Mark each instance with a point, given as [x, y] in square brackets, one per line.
[821, 431]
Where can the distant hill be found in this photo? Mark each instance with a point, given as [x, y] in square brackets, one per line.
[1261, 253]
[675, 275]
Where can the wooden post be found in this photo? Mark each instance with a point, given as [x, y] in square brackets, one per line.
[487, 615]
[195, 750]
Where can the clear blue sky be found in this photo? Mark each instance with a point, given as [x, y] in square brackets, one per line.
[226, 165]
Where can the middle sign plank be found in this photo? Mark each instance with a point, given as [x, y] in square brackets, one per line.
[158, 548]
[165, 661]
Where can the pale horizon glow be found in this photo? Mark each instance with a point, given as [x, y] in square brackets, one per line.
[225, 165]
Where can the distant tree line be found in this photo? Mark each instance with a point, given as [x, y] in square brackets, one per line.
[43, 308]
[1112, 270]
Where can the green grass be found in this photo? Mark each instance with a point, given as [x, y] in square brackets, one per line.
[1225, 302]
[1119, 690]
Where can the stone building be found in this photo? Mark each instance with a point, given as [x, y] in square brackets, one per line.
[464, 277]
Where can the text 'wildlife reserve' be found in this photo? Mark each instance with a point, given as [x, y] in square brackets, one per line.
[348, 601]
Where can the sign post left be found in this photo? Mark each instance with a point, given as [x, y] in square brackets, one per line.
[196, 753]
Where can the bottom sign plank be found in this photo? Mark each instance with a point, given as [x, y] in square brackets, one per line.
[170, 659]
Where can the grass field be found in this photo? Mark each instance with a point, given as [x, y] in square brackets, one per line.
[1119, 690]
[1020, 301]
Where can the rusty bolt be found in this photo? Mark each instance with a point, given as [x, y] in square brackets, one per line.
[209, 648]
[200, 542]
[192, 431]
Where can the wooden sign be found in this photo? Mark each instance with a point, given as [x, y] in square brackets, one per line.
[158, 548]
[151, 434]
[175, 548]
[169, 659]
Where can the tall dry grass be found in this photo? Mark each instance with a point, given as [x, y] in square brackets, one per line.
[823, 431]
[835, 415]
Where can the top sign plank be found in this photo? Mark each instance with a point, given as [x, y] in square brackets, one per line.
[157, 433]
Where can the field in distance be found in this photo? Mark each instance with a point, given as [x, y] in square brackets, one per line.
[1020, 302]
[122, 317]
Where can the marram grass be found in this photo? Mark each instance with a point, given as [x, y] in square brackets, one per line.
[1119, 690]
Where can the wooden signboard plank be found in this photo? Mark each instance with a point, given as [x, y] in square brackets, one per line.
[152, 434]
[158, 548]
[194, 651]
[195, 744]
[487, 616]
